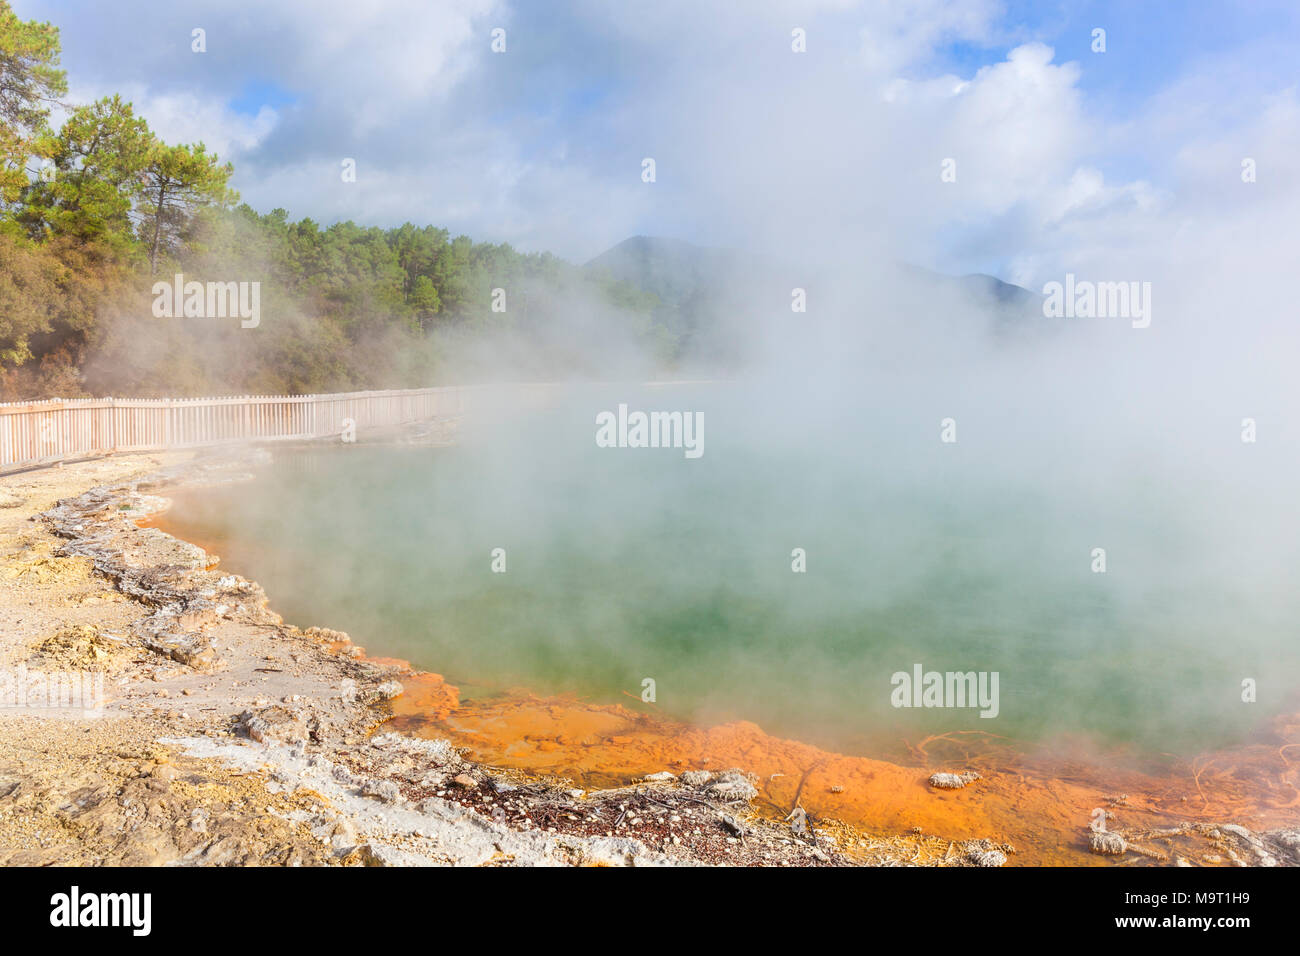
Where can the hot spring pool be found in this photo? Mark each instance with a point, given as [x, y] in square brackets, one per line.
[628, 565]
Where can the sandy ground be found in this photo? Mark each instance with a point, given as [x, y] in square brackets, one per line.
[227, 736]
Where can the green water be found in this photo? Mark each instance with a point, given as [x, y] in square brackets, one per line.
[627, 564]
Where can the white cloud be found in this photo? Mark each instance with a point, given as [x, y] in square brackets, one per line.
[373, 62]
[835, 152]
[184, 117]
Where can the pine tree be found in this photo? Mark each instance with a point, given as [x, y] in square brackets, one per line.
[30, 83]
[178, 181]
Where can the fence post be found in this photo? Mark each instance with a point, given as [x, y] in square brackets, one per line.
[79, 426]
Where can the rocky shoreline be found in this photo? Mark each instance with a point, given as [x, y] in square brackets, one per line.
[230, 737]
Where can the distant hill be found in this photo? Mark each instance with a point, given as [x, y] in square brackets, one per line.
[673, 269]
[981, 286]
[1004, 292]
[1014, 309]
[681, 273]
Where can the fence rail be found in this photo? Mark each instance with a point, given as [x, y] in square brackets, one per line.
[33, 433]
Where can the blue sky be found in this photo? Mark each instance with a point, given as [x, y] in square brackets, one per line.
[542, 146]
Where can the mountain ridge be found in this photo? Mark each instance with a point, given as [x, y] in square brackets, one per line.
[676, 269]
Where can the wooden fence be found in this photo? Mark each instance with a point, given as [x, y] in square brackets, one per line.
[36, 433]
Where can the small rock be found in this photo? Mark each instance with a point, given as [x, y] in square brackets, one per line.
[344, 832]
[383, 790]
[366, 855]
[732, 824]
[274, 723]
[953, 781]
[1108, 843]
[798, 820]
[733, 785]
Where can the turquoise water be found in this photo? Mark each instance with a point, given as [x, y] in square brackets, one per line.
[627, 564]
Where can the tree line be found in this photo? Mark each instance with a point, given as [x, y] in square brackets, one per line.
[94, 211]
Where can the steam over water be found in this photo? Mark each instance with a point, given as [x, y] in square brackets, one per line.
[626, 564]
